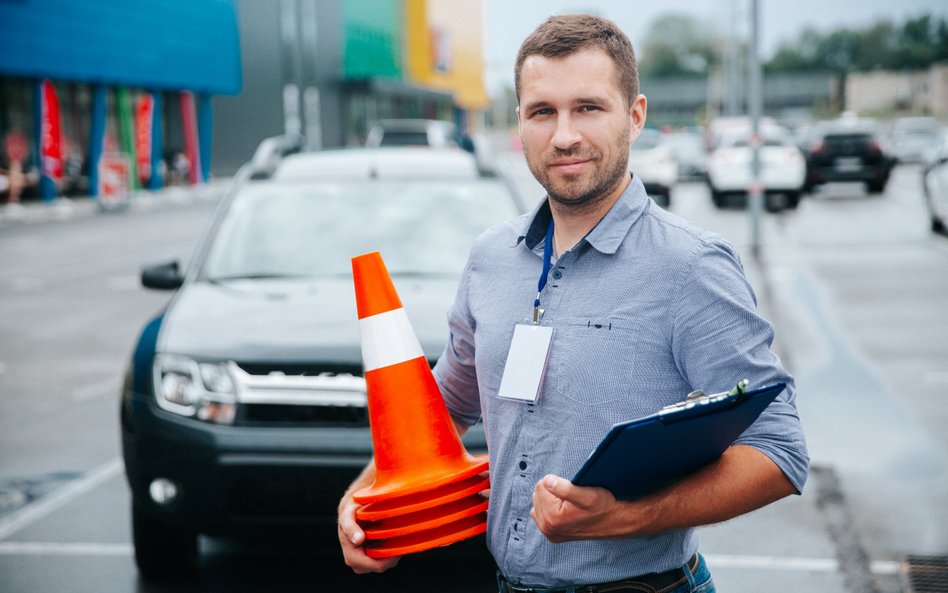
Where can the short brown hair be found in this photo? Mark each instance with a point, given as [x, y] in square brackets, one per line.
[563, 35]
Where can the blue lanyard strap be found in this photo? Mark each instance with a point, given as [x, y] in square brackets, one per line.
[547, 259]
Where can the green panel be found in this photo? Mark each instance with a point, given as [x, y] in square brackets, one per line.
[373, 38]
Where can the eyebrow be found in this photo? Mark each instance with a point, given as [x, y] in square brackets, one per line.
[578, 101]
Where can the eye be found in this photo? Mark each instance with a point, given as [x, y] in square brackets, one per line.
[542, 112]
[587, 108]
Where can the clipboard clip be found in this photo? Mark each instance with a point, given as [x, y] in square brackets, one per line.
[697, 399]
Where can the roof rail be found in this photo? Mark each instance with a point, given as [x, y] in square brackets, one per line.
[271, 151]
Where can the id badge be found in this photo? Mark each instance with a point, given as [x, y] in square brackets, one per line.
[526, 362]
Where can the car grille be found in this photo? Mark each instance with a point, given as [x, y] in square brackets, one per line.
[256, 414]
[299, 395]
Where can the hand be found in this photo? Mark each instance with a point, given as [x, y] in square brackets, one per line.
[566, 512]
[352, 540]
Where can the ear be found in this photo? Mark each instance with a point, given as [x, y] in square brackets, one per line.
[637, 114]
[519, 122]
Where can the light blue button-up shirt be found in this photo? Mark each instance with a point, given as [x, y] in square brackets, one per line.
[645, 309]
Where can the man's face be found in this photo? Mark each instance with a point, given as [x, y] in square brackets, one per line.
[575, 125]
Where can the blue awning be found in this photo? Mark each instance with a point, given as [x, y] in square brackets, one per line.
[169, 44]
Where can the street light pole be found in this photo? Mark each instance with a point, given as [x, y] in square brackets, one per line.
[755, 191]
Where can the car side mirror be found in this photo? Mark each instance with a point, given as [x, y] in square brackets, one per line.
[166, 276]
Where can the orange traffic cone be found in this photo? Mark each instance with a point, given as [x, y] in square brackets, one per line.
[426, 488]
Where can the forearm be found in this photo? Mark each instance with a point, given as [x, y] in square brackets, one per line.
[742, 480]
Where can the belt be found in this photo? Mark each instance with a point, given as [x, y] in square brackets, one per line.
[653, 582]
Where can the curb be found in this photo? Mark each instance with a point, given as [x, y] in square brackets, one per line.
[62, 209]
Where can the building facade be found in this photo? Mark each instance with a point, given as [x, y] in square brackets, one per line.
[922, 92]
[103, 89]
[328, 69]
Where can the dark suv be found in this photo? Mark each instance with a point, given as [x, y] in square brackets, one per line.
[244, 406]
[847, 149]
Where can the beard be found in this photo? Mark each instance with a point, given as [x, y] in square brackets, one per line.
[572, 191]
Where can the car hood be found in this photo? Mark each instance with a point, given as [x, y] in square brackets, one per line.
[293, 321]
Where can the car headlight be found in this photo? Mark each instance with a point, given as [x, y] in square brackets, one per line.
[201, 390]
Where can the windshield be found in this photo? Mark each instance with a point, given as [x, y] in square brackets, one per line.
[291, 229]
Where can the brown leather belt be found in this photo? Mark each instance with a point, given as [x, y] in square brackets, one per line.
[653, 582]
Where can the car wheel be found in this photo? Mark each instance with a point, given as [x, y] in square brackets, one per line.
[875, 187]
[717, 198]
[938, 226]
[162, 550]
[772, 202]
[792, 200]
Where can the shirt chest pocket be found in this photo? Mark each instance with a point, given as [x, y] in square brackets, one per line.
[595, 358]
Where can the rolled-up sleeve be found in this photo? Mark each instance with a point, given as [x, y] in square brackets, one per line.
[719, 338]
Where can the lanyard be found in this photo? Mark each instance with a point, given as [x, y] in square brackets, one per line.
[547, 257]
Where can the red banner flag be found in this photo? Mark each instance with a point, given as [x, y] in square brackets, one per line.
[51, 137]
[189, 123]
[144, 116]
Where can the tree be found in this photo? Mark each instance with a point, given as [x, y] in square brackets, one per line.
[915, 44]
[677, 45]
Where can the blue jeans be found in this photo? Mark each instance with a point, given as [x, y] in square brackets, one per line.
[698, 582]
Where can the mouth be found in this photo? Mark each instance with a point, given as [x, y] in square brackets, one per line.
[569, 166]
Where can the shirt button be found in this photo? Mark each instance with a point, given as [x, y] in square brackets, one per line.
[523, 465]
[557, 274]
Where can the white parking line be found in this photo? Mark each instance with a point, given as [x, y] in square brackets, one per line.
[878, 567]
[101, 474]
[64, 549]
[35, 511]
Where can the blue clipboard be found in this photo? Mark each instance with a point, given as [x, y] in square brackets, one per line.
[641, 456]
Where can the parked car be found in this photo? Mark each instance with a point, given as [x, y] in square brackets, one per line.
[916, 139]
[687, 148]
[782, 168]
[430, 133]
[244, 405]
[935, 182]
[651, 160]
[848, 149]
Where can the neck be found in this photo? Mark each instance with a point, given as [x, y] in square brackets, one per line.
[572, 223]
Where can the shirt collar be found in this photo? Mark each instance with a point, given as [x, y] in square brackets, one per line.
[606, 236]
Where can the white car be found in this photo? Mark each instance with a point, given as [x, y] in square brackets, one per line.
[652, 161]
[782, 168]
[917, 139]
[413, 132]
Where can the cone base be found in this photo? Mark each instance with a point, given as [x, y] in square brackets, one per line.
[403, 486]
[426, 540]
[427, 519]
[394, 507]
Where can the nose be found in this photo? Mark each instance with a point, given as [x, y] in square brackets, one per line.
[566, 134]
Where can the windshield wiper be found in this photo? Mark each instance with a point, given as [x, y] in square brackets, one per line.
[256, 276]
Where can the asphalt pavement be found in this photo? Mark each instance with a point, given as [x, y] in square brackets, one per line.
[878, 489]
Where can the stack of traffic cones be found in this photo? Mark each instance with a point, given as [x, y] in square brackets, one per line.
[427, 488]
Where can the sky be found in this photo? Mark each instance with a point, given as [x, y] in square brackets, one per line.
[508, 22]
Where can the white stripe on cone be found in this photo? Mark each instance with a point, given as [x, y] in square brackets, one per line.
[387, 339]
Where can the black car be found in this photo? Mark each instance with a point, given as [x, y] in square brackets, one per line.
[848, 149]
[244, 407]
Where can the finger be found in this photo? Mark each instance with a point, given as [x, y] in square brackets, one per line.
[349, 527]
[566, 491]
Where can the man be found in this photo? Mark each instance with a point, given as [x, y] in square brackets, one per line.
[644, 309]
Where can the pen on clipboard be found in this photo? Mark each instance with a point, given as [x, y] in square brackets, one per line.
[696, 398]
